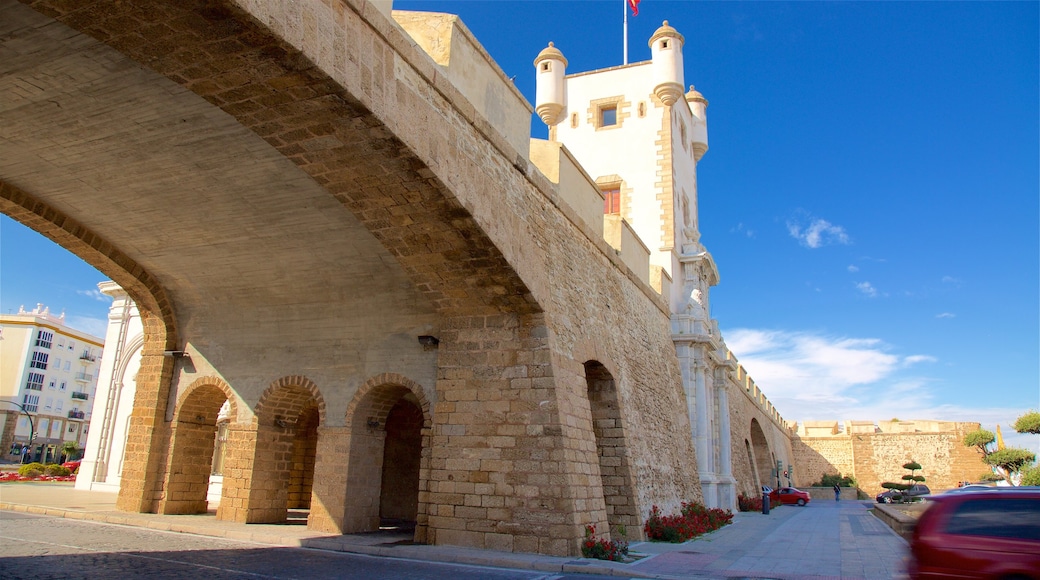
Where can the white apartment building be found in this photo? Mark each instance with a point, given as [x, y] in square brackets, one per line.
[48, 377]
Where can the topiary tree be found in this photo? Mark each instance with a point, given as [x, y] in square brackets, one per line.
[910, 479]
[830, 479]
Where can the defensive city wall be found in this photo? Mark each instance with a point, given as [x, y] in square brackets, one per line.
[874, 453]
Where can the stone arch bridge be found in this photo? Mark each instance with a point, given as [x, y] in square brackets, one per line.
[320, 228]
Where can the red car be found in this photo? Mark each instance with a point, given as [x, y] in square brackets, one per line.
[788, 495]
[72, 466]
[991, 534]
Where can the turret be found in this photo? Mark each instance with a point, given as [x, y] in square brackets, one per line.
[549, 92]
[699, 132]
[666, 53]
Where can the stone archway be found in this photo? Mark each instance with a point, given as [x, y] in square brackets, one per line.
[388, 424]
[276, 454]
[191, 446]
[761, 455]
[608, 428]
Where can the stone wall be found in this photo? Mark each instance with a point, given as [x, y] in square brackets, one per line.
[877, 457]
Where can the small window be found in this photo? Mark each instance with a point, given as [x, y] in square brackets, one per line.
[62, 388]
[44, 338]
[574, 121]
[546, 66]
[51, 384]
[612, 200]
[664, 44]
[642, 109]
[608, 116]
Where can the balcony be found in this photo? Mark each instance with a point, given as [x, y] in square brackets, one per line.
[79, 395]
[74, 414]
[87, 357]
[84, 377]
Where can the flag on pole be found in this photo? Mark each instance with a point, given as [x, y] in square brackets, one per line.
[634, 4]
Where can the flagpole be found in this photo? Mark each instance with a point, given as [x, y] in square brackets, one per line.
[624, 8]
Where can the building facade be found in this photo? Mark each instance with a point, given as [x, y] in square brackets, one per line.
[48, 377]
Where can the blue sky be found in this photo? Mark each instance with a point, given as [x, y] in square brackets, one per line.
[871, 194]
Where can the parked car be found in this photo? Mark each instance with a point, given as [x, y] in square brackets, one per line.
[72, 466]
[992, 534]
[916, 490]
[788, 495]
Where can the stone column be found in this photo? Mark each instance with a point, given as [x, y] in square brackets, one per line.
[727, 484]
[329, 494]
[147, 445]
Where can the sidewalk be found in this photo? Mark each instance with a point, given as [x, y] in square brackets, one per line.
[821, 540]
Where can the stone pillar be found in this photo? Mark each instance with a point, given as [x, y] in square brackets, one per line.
[147, 445]
[329, 495]
[727, 484]
[238, 472]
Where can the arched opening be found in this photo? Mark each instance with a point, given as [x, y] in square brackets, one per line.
[301, 472]
[386, 437]
[399, 489]
[761, 455]
[608, 428]
[192, 450]
[287, 420]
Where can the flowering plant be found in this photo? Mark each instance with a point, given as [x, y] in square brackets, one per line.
[693, 520]
[749, 504]
[602, 549]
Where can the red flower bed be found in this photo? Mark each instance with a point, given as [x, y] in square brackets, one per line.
[12, 476]
[694, 520]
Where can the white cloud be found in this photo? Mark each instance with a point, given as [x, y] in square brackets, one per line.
[815, 377]
[867, 289]
[946, 315]
[853, 268]
[95, 294]
[741, 228]
[818, 233]
[950, 280]
[918, 358]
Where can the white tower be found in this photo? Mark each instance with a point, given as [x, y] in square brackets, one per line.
[550, 98]
[666, 53]
[699, 131]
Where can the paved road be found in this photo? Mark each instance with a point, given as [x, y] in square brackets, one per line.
[42, 547]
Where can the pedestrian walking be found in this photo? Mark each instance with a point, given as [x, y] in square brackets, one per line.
[837, 492]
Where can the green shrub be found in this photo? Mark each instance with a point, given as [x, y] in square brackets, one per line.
[56, 470]
[830, 479]
[31, 469]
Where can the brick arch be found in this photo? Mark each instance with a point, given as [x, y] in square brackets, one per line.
[200, 395]
[374, 399]
[140, 487]
[762, 455]
[157, 315]
[608, 427]
[243, 63]
[288, 397]
[192, 442]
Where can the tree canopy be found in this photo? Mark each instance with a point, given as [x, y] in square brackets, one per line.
[1028, 423]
